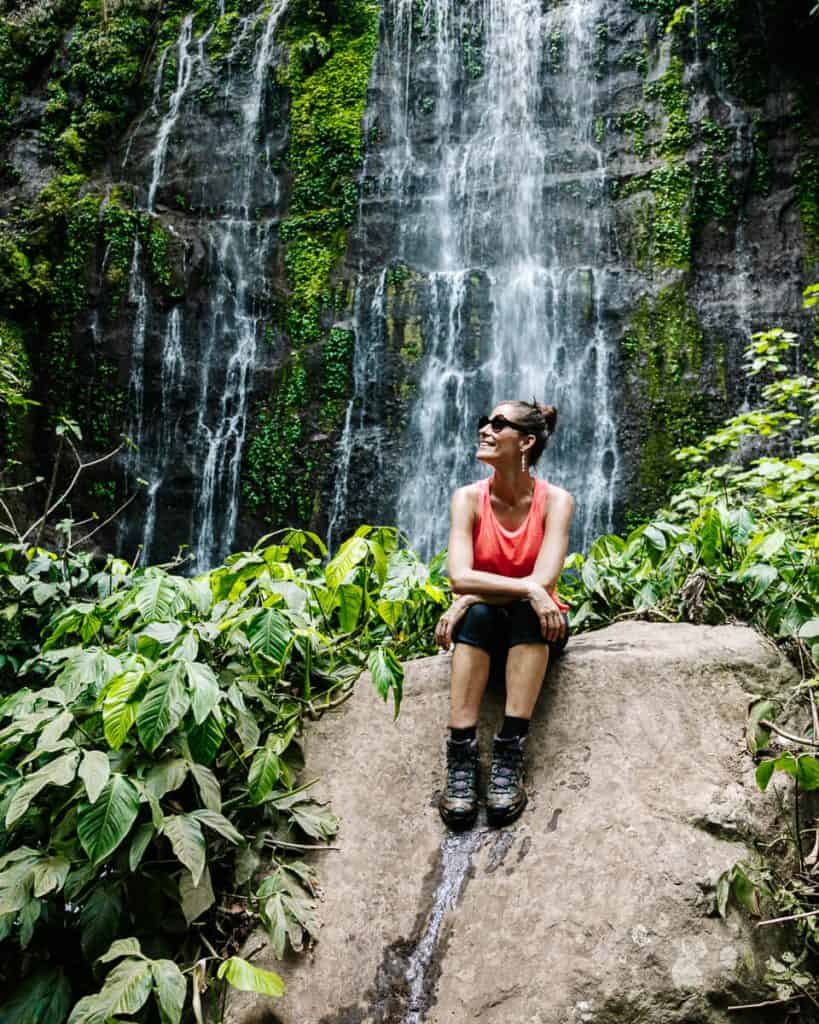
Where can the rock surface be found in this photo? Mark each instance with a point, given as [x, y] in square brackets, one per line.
[598, 905]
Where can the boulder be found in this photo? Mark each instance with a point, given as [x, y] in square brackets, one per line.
[598, 904]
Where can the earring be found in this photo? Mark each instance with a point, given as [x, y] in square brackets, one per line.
[523, 466]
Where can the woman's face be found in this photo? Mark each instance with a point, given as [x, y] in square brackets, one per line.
[503, 447]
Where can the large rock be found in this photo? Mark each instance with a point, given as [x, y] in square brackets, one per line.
[598, 905]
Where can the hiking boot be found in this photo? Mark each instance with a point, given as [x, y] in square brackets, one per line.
[505, 795]
[458, 805]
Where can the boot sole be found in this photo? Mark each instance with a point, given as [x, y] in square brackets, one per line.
[459, 822]
[498, 818]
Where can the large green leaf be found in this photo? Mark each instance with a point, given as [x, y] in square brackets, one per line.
[195, 899]
[205, 693]
[188, 843]
[50, 875]
[350, 599]
[118, 708]
[94, 771]
[100, 918]
[210, 792]
[243, 975]
[387, 674]
[157, 598]
[170, 988]
[351, 553]
[44, 998]
[103, 825]
[219, 823]
[265, 771]
[162, 708]
[268, 633]
[126, 990]
[59, 772]
[166, 776]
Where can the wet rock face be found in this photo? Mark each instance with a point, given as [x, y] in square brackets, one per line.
[665, 230]
[598, 904]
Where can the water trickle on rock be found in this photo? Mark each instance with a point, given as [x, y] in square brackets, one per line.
[499, 211]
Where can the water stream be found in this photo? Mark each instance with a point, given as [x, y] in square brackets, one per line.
[489, 170]
[221, 342]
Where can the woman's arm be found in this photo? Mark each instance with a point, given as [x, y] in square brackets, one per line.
[552, 554]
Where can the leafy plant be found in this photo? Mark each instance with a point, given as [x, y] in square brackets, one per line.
[150, 761]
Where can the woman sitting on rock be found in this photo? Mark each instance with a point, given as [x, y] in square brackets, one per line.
[507, 545]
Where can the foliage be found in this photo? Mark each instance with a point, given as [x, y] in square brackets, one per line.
[739, 540]
[150, 756]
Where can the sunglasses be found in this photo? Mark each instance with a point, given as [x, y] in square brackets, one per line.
[497, 423]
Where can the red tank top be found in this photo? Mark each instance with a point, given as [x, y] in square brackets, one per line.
[510, 552]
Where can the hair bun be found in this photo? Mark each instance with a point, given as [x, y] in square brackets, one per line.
[549, 413]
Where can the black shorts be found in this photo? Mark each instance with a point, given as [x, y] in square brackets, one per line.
[496, 628]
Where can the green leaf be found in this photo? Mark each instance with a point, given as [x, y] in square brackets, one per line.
[744, 891]
[268, 633]
[195, 899]
[219, 823]
[118, 711]
[315, 819]
[808, 772]
[387, 674]
[351, 553]
[757, 735]
[390, 612]
[350, 599]
[103, 825]
[265, 771]
[162, 708]
[205, 740]
[157, 598]
[126, 990]
[143, 834]
[275, 917]
[50, 875]
[120, 948]
[167, 776]
[100, 918]
[655, 537]
[244, 976]
[210, 792]
[60, 772]
[188, 843]
[809, 630]
[723, 892]
[764, 773]
[94, 771]
[170, 988]
[205, 692]
[44, 998]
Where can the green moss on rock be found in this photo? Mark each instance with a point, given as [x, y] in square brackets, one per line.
[665, 353]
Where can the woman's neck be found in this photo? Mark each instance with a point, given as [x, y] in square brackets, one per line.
[511, 486]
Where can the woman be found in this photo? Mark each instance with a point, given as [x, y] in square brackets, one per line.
[507, 545]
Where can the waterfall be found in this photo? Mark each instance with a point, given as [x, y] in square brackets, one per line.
[488, 166]
[213, 357]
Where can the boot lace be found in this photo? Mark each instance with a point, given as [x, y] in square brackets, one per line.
[506, 763]
[460, 763]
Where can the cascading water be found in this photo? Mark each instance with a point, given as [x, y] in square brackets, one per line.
[223, 338]
[500, 203]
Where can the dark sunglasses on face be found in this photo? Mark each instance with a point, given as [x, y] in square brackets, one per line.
[497, 423]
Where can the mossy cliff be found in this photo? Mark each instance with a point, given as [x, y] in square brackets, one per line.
[706, 121]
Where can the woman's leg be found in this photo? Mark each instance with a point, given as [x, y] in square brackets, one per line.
[470, 674]
[526, 666]
[473, 638]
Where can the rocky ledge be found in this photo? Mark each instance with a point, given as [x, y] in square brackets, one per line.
[598, 905]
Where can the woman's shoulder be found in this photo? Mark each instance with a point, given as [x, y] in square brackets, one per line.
[468, 496]
[557, 498]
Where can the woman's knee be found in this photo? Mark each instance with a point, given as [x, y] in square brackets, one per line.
[478, 626]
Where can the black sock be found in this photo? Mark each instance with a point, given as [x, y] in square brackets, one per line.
[513, 727]
[461, 735]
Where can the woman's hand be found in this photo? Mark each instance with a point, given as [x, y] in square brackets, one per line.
[552, 623]
[450, 619]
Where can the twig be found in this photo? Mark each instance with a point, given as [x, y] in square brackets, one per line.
[49, 494]
[14, 529]
[806, 994]
[39, 524]
[790, 917]
[788, 735]
[298, 846]
[768, 1002]
[105, 522]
